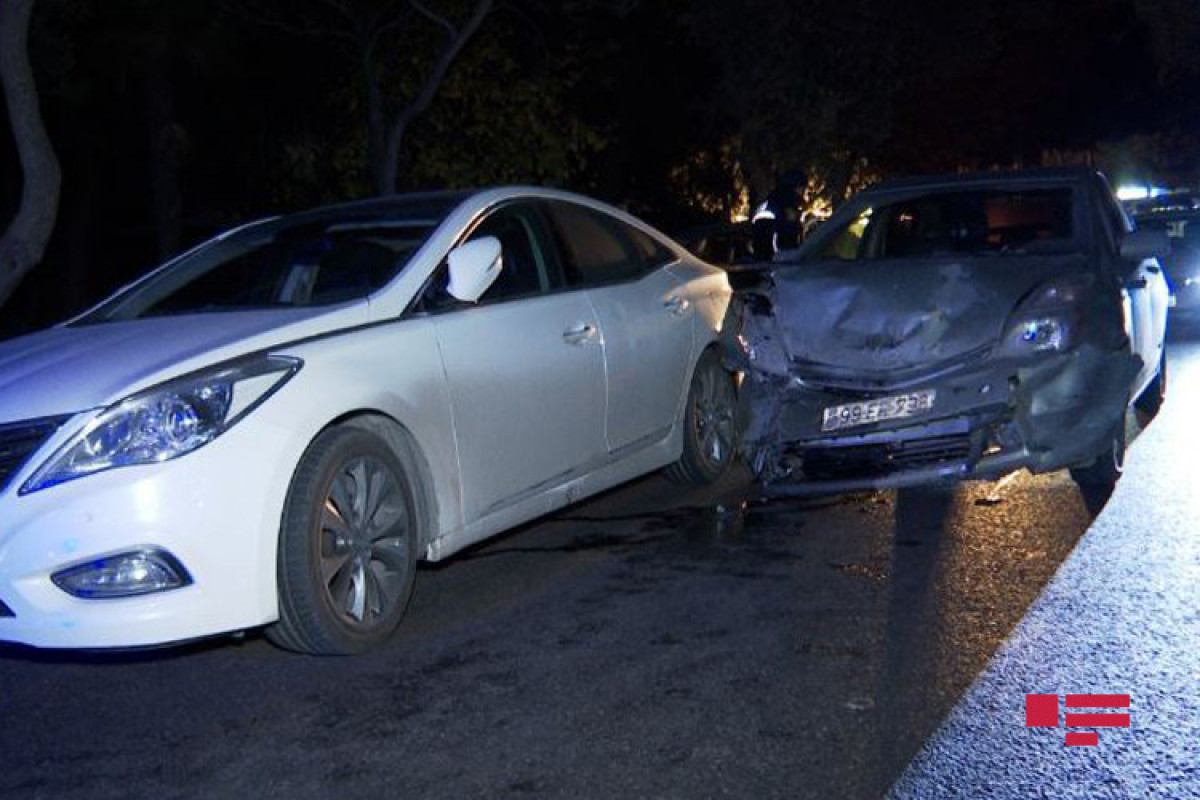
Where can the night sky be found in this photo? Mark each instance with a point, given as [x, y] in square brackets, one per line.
[174, 120]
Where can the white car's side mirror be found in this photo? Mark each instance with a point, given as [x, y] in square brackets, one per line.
[474, 267]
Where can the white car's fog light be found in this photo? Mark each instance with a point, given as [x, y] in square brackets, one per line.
[123, 575]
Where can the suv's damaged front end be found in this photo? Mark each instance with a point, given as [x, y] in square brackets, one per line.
[918, 370]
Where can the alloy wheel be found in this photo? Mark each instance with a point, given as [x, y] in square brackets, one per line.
[364, 541]
[714, 417]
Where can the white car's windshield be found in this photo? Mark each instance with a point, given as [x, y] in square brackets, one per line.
[317, 263]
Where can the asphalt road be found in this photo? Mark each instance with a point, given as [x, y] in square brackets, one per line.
[649, 643]
[1121, 616]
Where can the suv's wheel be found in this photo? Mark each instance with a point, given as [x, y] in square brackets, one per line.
[710, 430]
[1105, 471]
[347, 546]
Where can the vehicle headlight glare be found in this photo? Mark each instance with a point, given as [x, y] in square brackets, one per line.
[167, 421]
[1047, 318]
[1050, 333]
[1044, 334]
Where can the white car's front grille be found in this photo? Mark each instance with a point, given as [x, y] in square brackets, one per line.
[18, 440]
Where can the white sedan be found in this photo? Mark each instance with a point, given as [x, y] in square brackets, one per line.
[274, 427]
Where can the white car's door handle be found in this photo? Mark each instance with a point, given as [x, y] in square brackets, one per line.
[580, 334]
[676, 305]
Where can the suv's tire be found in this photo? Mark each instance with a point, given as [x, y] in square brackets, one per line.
[1106, 470]
[710, 428]
[347, 546]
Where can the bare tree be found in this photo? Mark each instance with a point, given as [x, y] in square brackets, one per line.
[24, 242]
[367, 29]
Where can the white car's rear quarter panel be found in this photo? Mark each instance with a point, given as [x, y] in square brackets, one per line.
[648, 347]
[707, 288]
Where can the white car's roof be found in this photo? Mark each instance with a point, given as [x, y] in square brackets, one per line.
[451, 203]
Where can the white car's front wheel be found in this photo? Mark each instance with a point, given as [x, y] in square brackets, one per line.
[347, 546]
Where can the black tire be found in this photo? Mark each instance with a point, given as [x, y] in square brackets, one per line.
[347, 546]
[1106, 470]
[1150, 403]
[710, 428]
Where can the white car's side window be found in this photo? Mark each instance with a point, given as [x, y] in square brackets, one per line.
[530, 265]
[525, 269]
[596, 248]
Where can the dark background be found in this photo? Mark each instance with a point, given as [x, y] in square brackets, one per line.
[175, 120]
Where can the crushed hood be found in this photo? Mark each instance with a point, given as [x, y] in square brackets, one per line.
[900, 314]
[73, 368]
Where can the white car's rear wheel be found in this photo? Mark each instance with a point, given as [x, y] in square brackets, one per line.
[347, 546]
[710, 429]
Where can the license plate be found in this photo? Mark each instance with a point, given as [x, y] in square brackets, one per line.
[877, 410]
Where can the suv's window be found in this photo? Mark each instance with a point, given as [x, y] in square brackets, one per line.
[595, 247]
[956, 224]
[846, 244]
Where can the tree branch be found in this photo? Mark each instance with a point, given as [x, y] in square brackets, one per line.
[294, 24]
[435, 18]
[24, 242]
[429, 90]
[383, 26]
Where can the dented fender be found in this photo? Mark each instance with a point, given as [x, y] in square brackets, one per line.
[993, 412]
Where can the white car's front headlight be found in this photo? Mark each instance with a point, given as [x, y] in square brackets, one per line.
[166, 421]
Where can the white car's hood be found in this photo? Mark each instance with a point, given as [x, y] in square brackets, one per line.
[69, 369]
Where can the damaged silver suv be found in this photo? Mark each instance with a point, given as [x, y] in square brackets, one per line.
[955, 327]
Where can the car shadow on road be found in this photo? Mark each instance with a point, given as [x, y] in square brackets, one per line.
[963, 571]
[907, 691]
[123, 656]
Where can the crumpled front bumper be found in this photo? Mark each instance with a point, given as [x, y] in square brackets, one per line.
[991, 416]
